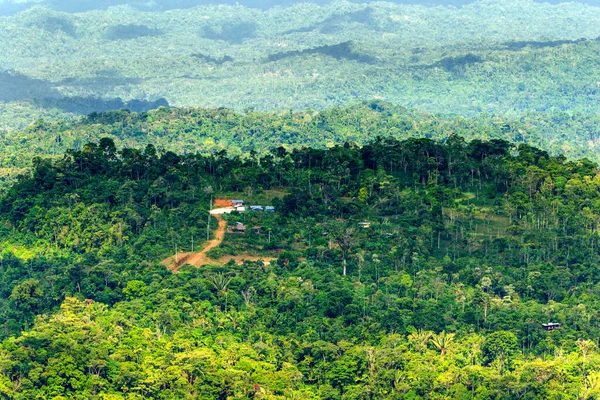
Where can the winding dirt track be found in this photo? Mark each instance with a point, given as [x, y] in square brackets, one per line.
[201, 258]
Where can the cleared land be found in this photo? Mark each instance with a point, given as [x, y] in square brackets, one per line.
[198, 259]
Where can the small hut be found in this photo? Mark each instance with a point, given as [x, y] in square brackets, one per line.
[238, 227]
[551, 326]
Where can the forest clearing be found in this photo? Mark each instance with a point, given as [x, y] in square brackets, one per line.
[198, 259]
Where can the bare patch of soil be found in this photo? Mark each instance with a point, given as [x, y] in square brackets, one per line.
[201, 258]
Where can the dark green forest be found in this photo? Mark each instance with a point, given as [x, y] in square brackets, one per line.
[210, 131]
[248, 79]
[406, 269]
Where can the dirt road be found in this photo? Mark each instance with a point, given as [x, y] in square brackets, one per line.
[201, 258]
[198, 259]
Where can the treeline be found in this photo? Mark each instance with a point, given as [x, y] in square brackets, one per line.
[210, 131]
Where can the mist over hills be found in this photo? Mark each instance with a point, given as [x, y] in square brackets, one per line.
[10, 7]
[448, 60]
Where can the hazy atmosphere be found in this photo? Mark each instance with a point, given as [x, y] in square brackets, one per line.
[8, 7]
[58, 64]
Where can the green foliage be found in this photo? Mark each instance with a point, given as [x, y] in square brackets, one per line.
[135, 289]
[417, 255]
[500, 346]
[471, 247]
[497, 57]
[26, 295]
[212, 132]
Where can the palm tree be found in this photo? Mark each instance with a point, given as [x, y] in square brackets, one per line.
[220, 282]
[442, 341]
[420, 339]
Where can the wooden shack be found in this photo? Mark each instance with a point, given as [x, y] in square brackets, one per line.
[238, 227]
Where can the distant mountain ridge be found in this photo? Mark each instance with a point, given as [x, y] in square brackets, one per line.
[510, 57]
[10, 7]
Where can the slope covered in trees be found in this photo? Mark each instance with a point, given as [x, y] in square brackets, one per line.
[210, 131]
[407, 269]
[490, 56]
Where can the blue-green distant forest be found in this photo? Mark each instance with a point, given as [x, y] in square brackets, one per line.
[517, 61]
[8, 7]
[496, 57]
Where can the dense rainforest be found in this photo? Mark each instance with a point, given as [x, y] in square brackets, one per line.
[421, 189]
[209, 131]
[489, 56]
[405, 269]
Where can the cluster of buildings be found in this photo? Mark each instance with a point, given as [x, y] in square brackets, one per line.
[240, 206]
[239, 227]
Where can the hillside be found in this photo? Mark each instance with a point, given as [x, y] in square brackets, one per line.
[406, 269]
[490, 56]
[222, 131]
[269, 200]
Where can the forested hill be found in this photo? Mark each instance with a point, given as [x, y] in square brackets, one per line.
[405, 270]
[489, 56]
[210, 131]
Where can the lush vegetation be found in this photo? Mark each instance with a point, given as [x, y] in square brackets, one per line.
[209, 131]
[490, 56]
[414, 252]
[471, 247]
